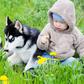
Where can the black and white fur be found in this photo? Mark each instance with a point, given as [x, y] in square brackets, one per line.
[20, 44]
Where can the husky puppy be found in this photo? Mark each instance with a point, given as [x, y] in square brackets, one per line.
[20, 44]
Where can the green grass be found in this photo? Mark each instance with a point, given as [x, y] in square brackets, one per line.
[34, 14]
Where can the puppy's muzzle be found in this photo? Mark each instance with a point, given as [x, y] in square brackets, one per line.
[6, 50]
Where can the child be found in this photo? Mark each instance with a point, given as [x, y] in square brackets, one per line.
[60, 34]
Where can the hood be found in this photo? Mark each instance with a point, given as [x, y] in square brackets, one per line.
[66, 9]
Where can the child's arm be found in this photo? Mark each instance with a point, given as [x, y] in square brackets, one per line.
[80, 46]
[43, 38]
[79, 43]
[65, 54]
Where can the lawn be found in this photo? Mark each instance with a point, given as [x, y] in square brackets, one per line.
[34, 14]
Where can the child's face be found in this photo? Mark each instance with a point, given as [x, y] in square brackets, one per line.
[60, 26]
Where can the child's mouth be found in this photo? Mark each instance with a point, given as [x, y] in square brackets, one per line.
[58, 28]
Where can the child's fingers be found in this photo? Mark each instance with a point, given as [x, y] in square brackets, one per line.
[47, 36]
[44, 39]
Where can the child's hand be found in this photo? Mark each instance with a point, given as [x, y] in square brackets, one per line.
[43, 42]
[44, 39]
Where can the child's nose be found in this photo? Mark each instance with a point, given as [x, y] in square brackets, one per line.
[58, 24]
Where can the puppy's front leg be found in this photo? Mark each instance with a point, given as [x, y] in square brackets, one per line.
[31, 61]
[28, 66]
[14, 59]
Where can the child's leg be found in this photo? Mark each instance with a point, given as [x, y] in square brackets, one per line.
[46, 55]
[69, 61]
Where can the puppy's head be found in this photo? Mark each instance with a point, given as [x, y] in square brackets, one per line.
[13, 35]
[18, 35]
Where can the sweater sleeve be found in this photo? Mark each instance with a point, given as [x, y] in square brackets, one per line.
[79, 42]
[65, 55]
[44, 32]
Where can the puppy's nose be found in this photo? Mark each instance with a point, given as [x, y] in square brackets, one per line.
[6, 50]
[0, 45]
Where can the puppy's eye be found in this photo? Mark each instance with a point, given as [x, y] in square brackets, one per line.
[12, 39]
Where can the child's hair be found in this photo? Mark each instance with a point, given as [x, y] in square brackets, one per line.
[57, 17]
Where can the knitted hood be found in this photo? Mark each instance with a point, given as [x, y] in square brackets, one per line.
[66, 9]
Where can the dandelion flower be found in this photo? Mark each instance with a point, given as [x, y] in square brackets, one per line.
[41, 60]
[53, 53]
[4, 79]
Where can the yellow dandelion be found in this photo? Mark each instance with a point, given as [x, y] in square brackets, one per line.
[41, 60]
[4, 79]
[53, 53]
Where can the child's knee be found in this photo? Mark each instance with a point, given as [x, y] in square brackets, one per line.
[69, 61]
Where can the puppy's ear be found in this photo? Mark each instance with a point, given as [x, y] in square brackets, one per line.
[8, 21]
[18, 26]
